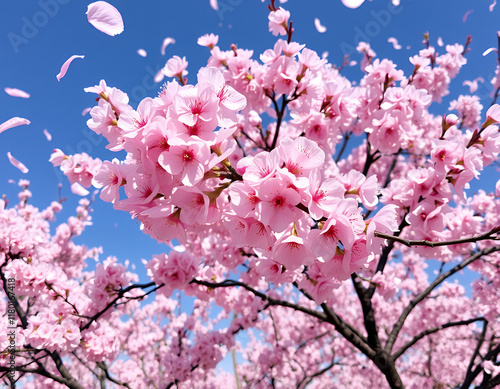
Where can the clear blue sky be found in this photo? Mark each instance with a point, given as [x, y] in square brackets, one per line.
[35, 40]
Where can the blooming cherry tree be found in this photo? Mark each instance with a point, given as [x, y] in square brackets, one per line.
[317, 250]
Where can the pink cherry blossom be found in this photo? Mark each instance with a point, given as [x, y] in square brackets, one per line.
[277, 208]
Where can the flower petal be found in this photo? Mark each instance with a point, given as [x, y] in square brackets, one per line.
[78, 189]
[13, 122]
[17, 164]
[214, 4]
[466, 15]
[65, 66]
[105, 18]
[86, 111]
[142, 52]
[165, 43]
[48, 135]
[394, 42]
[318, 26]
[352, 3]
[17, 93]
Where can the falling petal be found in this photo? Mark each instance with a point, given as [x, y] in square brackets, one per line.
[473, 85]
[492, 5]
[325, 54]
[214, 4]
[78, 189]
[48, 135]
[489, 51]
[17, 93]
[353, 63]
[467, 14]
[318, 26]
[17, 164]
[394, 42]
[440, 42]
[159, 76]
[396, 2]
[65, 66]
[165, 43]
[105, 18]
[142, 52]
[13, 122]
[352, 3]
[86, 111]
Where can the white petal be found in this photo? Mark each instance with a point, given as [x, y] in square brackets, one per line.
[394, 42]
[214, 4]
[352, 3]
[78, 189]
[165, 43]
[48, 135]
[17, 93]
[318, 26]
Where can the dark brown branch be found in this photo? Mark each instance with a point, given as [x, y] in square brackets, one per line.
[71, 382]
[433, 330]
[346, 137]
[472, 239]
[384, 257]
[344, 328]
[121, 293]
[317, 374]
[17, 306]
[399, 324]
[38, 371]
[368, 314]
[104, 368]
[480, 342]
[491, 383]
[262, 296]
[349, 332]
[472, 376]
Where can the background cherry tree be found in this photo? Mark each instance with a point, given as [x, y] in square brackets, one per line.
[302, 211]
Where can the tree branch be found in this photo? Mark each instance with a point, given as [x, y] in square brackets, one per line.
[472, 375]
[264, 297]
[112, 303]
[368, 314]
[399, 324]
[384, 257]
[433, 330]
[471, 239]
[104, 368]
[41, 372]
